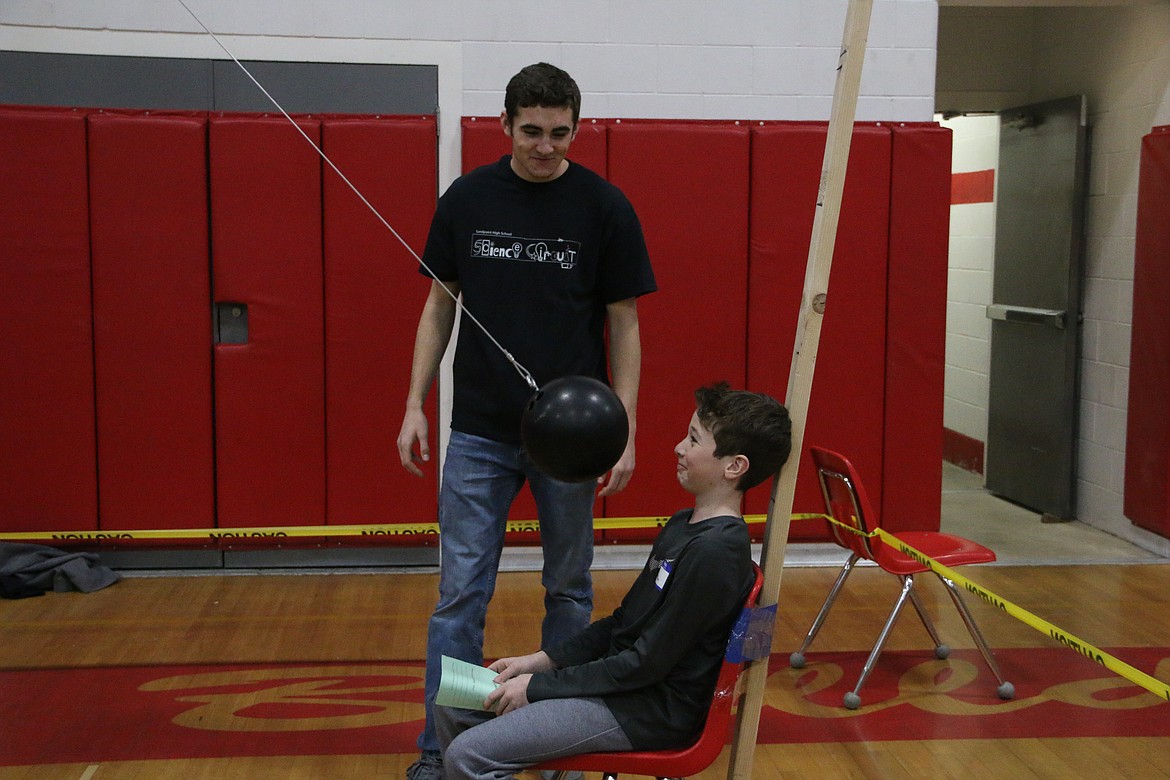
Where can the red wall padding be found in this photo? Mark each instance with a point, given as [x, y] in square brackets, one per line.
[484, 142]
[373, 296]
[845, 410]
[1147, 440]
[877, 394]
[152, 320]
[267, 253]
[48, 472]
[688, 182]
[916, 317]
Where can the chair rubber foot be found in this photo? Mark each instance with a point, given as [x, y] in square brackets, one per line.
[942, 652]
[796, 660]
[1006, 691]
[852, 701]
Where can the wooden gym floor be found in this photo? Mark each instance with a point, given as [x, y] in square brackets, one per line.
[1070, 717]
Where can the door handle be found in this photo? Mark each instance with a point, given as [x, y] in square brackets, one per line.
[1054, 317]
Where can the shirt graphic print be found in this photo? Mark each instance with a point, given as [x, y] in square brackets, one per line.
[486, 244]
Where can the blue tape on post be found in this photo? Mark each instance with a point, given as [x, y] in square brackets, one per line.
[751, 637]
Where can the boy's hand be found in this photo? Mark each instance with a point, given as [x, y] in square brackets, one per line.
[619, 475]
[414, 430]
[509, 695]
[507, 668]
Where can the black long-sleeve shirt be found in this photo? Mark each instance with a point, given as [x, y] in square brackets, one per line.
[655, 660]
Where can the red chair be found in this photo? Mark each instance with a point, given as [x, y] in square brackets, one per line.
[847, 503]
[666, 764]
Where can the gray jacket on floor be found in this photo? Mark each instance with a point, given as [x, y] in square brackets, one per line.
[34, 567]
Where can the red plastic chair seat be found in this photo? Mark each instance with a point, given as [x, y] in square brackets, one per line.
[947, 549]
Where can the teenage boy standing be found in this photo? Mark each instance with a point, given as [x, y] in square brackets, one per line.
[550, 258]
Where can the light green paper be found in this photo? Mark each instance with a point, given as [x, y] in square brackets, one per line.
[464, 685]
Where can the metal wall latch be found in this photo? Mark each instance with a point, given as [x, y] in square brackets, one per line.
[231, 322]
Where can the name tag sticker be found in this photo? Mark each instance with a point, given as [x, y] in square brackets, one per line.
[663, 575]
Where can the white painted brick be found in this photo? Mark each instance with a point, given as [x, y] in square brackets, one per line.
[965, 418]
[657, 21]
[973, 219]
[473, 22]
[1114, 343]
[489, 66]
[966, 318]
[776, 71]
[1110, 257]
[883, 25]
[901, 72]
[751, 23]
[822, 23]
[878, 108]
[976, 288]
[917, 24]
[613, 68]
[736, 107]
[1109, 427]
[32, 13]
[654, 106]
[967, 386]
[816, 70]
[485, 104]
[970, 354]
[529, 20]
[704, 69]
[1097, 382]
[1108, 300]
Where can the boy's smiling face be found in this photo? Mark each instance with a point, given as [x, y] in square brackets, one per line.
[540, 140]
[698, 469]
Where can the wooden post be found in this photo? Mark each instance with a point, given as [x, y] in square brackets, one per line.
[808, 333]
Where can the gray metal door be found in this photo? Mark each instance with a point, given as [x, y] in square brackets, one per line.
[1036, 306]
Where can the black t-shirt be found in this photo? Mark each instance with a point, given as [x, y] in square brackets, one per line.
[656, 659]
[537, 264]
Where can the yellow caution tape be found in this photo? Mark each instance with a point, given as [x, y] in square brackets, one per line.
[282, 532]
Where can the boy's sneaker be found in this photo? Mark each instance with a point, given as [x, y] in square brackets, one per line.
[428, 767]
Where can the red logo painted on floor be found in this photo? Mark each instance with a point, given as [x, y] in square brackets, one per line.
[109, 714]
[912, 695]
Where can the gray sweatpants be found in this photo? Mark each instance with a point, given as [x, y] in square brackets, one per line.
[480, 746]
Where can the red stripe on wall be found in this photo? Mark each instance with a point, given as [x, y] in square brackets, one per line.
[973, 187]
[963, 451]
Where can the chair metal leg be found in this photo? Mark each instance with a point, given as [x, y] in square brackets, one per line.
[941, 650]
[1005, 690]
[796, 660]
[853, 698]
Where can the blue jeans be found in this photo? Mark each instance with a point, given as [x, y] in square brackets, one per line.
[481, 477]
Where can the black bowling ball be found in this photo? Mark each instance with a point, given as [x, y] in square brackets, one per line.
[575, 428]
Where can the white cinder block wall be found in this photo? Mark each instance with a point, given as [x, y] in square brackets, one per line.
[972, 259]
[1120, 59]
[701, 59]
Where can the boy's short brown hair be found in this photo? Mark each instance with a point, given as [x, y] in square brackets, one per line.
[745, 423]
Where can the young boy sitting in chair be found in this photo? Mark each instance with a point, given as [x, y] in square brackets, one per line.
[642, 678]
